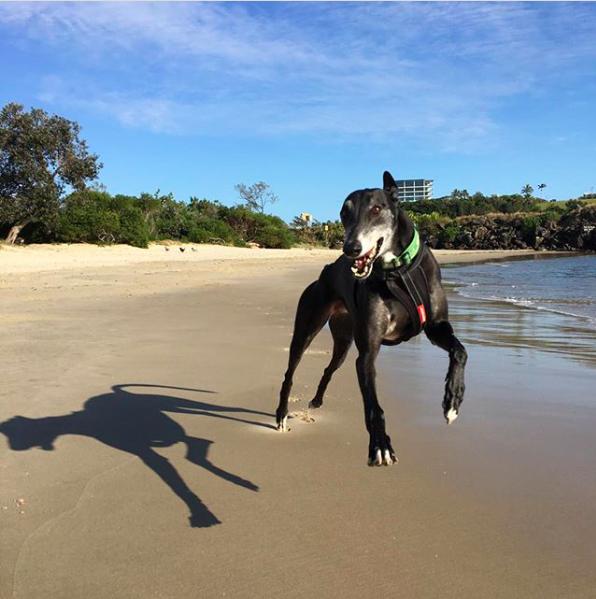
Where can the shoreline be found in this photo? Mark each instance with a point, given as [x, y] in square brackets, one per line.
[466, 289]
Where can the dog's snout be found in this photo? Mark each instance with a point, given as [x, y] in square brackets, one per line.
[352, 249]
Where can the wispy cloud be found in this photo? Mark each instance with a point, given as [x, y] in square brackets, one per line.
[432, 72]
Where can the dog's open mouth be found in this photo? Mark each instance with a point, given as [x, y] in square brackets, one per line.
[362, 266]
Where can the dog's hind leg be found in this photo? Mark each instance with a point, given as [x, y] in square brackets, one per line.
[343, 335]
[441, 334]
[312, 314]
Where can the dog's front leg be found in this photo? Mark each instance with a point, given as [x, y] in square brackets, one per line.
[380, 452]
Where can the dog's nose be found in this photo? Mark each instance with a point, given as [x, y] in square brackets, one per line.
[352, 249]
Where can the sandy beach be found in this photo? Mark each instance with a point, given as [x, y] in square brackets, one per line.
[138, 456]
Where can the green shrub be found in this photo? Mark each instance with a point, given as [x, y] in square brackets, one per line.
[133, 228]
[529, 224]
[212, 231]
[254, 227]
[86, 217]
[95, 217]
[449, 233]
[171, 220]
[477, 204]
[275, 236]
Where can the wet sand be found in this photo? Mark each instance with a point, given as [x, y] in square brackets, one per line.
[99, 479]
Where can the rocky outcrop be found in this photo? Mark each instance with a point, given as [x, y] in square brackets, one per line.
[575, 230]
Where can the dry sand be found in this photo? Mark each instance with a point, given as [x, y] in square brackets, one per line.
[99, 479]
[52, 257]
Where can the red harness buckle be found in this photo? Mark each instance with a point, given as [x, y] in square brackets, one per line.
[422, 314]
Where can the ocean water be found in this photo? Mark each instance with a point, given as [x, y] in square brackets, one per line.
[538, 307]
[561, 285]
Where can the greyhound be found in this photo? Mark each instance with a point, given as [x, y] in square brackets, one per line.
[359, 296]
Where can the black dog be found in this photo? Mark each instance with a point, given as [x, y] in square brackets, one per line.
[384, 290]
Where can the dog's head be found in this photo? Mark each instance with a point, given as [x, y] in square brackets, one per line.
[24, 433]
[369, 217]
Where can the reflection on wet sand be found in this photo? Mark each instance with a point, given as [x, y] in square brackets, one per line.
[491, 323]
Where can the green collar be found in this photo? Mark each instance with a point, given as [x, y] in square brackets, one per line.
[391, 261]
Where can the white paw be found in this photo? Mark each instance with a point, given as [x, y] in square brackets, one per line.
[382, 458]
[451, 415]
[282, 427]
[388, 459]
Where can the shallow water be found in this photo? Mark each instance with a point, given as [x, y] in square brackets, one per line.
[544, 306]
[563, 285]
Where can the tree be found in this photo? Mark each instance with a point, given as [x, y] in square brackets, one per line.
[527, 191]
[541, 186]
[41, 156]
[256, 196]
[460, 194]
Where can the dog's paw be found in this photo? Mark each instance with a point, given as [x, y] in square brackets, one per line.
[384, 457]
[282, 425]
[203, 520]
[315, 403]
[451, 415]
[380, 452]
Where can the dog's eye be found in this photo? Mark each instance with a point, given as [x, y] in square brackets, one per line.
[375, 210]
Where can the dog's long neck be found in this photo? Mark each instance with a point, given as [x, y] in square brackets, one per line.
[405, 232]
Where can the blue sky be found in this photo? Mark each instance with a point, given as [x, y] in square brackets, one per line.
[316, 99]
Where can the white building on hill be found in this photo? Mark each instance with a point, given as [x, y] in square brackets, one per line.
[411, 190]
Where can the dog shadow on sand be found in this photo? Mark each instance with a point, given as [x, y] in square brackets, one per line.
[138, 423]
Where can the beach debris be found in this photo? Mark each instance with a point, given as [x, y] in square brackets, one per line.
[303, 415]
[167, 249]
[194, 249]
[182, 249]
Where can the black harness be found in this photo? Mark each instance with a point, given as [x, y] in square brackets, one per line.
[409, 285]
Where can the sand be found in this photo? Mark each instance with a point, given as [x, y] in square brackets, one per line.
[147, 464]
[52, 257]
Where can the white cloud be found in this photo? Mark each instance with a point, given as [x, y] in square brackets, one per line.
[434, 72]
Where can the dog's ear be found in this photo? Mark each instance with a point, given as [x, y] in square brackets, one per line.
[390, 186]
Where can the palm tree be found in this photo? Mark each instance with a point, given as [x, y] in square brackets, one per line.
[541, 186]
[527, 190]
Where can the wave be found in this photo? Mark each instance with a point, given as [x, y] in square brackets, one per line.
[533, 304]
[565, 286]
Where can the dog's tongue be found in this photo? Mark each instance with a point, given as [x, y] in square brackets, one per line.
[361, 262]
